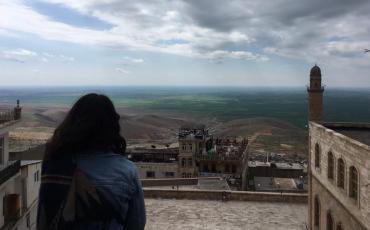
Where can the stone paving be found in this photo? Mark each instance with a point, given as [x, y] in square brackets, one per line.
[203, 214]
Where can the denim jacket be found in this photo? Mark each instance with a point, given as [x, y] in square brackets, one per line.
[98, 190]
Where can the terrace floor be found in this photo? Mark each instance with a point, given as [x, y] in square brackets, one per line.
[233, 215]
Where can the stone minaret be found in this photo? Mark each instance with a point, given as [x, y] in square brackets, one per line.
[315, 91]
[17, 111]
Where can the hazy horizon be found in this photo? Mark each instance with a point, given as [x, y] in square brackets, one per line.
[222, 103]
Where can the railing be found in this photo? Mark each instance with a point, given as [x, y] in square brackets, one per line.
[217, 157]
[7, 171]
[6, 115]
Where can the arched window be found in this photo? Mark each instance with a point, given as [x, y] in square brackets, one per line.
[329, 221]
[316, 212]
[317, 156]
[339, 226]
[353, 183]
[340, 173]
[330, 165]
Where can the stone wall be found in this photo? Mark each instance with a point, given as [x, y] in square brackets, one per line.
[275, 172]
[330, 204]
[354, 154]
[159, 169]
[231, 195]
[173, 182]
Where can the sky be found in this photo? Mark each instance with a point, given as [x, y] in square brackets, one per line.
[176, 42]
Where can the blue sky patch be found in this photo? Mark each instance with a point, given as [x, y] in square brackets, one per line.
[69, 16]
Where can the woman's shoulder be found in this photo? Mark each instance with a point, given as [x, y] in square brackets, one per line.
[108, 162]
[123, 161]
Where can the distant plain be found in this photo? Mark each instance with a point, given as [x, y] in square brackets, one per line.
[154, 114]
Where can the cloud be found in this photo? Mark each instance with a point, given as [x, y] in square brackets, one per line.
[121, 70]
[239, 29]
[134, 60]
[20, 52]
[241, 55]
[66, 58]
[48, 55]
[18, 55]
[137, 25]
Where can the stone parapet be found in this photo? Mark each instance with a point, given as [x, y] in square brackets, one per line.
[230, 195]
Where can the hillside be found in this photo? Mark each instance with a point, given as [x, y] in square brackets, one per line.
[146, 128]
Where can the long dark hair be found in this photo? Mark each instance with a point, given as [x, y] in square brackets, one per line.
[91, 124]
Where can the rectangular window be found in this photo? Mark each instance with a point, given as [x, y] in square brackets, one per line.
[34, 177]
[190, 162]
[1, 150]
[150, 174]
[183, 162]
[28, 221]
[169, 174]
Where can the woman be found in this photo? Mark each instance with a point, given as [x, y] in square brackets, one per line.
[86, 182]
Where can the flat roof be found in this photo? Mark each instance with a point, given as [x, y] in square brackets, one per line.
[212, 184]
[357, 131]
[211, 214]
[5, 125]
[274, 183]
[152, 151]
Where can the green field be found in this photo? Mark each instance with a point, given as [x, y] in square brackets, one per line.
[225, 104]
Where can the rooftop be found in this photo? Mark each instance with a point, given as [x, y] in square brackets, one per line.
[279, 165]
[210, 214]
[357, 131]
[277, 184]
[8, 116]
[193, 131]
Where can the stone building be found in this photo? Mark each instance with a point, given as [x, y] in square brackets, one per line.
[199, 154]
[194, 140]
[19, 180]
[155, 163]
[339, 172]
[225, 158]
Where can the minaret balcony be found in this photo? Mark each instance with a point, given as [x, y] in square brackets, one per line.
[316, 89]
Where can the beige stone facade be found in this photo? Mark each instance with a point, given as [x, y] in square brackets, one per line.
[337, 198]
[188, 148]
[151, 170]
